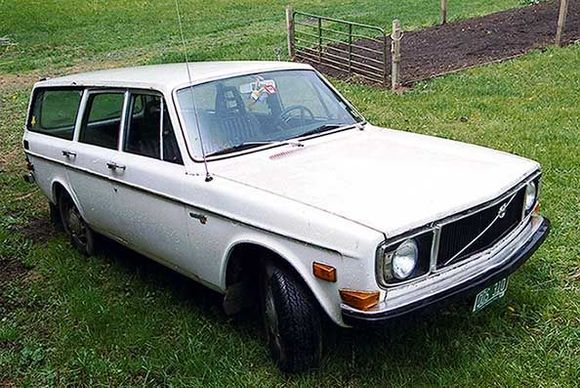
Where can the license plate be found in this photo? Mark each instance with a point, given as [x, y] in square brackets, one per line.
[490, 294]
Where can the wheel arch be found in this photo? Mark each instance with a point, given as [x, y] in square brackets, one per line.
[57, 187]
[246, 256]
[251, 253]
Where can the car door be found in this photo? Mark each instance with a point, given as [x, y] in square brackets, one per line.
[93, 155]
[147, 191]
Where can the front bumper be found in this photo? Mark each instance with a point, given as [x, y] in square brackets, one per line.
[489, 271]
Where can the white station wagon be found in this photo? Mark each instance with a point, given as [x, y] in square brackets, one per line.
[259, 180]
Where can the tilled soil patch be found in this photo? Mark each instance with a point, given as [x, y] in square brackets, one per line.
[11, 271]
[39, 230]
[467, 43]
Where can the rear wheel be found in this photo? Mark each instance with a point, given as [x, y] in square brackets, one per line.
[54, 212]
[81, 235]
[292, 321]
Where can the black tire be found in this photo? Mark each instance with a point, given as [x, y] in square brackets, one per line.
[292, 321]
[54, 212]
[81, 235]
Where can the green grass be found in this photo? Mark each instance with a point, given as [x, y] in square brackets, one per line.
[121, 320]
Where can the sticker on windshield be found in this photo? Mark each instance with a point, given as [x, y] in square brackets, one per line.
[260, 89]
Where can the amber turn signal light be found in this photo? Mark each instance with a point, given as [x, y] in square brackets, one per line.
[324, 272]
[362, 300]
[536, 210]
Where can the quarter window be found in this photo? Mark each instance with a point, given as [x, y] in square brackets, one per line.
[170, 148]
[54, 112]
[102, 120]
[149, 131]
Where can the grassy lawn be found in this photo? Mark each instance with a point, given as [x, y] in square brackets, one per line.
[122, 320]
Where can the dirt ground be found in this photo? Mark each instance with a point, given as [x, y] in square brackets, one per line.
[38, 230]
[444, 49]
[11, 270]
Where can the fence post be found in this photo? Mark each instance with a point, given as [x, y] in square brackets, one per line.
[320, 40]
[385, 56]
[443, 11]
[349, 49]
[396, 54]
[561, 21]
[290, 27]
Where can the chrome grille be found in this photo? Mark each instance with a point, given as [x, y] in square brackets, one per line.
[459, 239]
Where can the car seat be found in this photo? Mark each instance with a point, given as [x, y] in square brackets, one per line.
[235, 123]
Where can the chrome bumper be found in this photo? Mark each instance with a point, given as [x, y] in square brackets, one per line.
[468, 278]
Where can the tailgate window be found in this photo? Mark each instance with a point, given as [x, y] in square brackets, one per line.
[54, 112]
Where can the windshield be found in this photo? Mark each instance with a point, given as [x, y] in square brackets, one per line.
[252, 110]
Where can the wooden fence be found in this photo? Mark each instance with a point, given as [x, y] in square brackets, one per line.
[332, 43]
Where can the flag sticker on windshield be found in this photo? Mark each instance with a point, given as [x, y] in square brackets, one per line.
[259, 90]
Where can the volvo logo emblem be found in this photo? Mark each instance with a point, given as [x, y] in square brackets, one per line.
[502, 210]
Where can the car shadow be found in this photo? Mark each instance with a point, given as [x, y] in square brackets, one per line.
[180, 286]
[412, 341]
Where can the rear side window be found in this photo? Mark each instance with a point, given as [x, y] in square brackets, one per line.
[54, 112]
[102, 120]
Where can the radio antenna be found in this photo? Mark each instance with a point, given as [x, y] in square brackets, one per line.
[208, 177]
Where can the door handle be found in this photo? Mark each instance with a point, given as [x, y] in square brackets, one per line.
[115, 166]
[69, 154]
[200, 217]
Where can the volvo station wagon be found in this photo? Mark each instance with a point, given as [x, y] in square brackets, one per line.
[259, 180]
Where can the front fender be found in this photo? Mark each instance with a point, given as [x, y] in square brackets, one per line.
[300, 256]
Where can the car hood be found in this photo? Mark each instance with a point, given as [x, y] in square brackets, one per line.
[388, 180]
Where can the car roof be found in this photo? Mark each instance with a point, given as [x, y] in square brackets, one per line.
[168, 77]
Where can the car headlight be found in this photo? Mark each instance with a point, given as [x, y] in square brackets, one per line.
[531, 196]
[404, 259]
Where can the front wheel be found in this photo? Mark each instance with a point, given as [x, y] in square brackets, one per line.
[292, 321]
[81, 235]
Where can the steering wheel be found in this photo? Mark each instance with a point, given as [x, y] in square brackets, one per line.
[285, 115]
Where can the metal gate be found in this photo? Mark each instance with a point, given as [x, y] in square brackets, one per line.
[346, 47]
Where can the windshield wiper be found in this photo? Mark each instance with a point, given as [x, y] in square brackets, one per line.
[291, 141]
[251, 144]
[322, 128]
[240, 147]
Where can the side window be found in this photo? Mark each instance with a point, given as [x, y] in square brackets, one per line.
[142, 136]
[102, 120]
[54, 112]
[149, 131]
